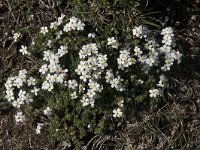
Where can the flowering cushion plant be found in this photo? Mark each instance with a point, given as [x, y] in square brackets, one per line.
[88, 84]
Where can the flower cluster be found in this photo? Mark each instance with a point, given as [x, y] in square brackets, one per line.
[94, 71]
[23, 97]
[157, 51]
[168, 48]
[88, 50]
[74, 24]
[125, 60]
[16, 82]
[90, 70]
[52, 69]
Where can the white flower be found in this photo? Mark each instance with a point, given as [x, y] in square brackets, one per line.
[112, 41]
[53, 67]
[137, 51]
[31, 81]
[140, 32]
[167, 40]
[43, 69]
[109, 76]
[84, 76]
[9, 94]
[88, 50]
[44, 30]
[150, 61]
[9, 83]
[73, 95]
[60, 78]
[39, 127]
[60, 19]
[35, 91]
[53, 78]
[72, 84]
[169, 62]
[18, 82]
[165, 67]
[178, 56]
[16, 36]
[47, 55]
[165, 49]
[168, 31]
[94, 86]
[58, 34]
[62, 51]
[102, 61]
[47, 86]
[74, 24]
[31, 17]
[29, 99]
[124, 59]
[140, 81]
[47, 111]
[162, 81]
[91, 35]
[91, 93]
[168, 36]
[19, 117]
[142, 59]
[151, 44]
[121, 103]
[49, 43]
[22, 74]
[116, 83]
[23, 50]
[67, 28]
[117, 113]
[17, 103]
[154, 93]
[92, 102]
[80, 26]
[85, 100]
[22, 95]
[53, 25]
